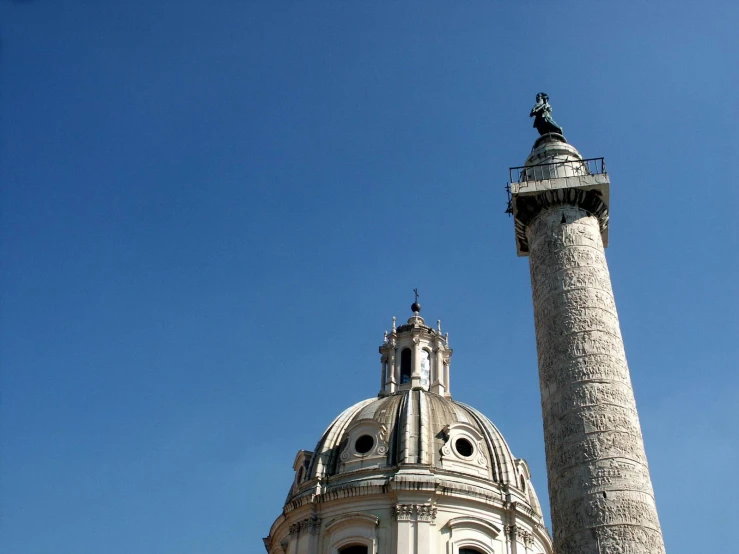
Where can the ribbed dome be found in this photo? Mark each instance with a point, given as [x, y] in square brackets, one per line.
[413, 445]
[408, 465]
[414, 430]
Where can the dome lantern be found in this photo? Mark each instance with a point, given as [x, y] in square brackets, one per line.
[415, 356]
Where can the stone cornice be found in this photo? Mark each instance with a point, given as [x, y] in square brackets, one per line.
[438, 484]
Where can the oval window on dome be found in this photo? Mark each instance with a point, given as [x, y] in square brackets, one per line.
[464, 447]
[364, 444]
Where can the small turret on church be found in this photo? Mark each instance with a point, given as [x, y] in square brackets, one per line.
[414, 356]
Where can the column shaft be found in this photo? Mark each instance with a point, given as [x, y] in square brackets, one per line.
[599, 486]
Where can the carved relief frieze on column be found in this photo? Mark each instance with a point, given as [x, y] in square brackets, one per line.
[599, 486]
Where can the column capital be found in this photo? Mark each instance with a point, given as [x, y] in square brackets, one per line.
[420, 512]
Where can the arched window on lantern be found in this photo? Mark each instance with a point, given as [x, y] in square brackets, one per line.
[405, 366]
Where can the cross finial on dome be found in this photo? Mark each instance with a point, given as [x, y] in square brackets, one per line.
[416, 307]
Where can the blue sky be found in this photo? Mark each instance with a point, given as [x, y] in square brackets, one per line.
[212, 210]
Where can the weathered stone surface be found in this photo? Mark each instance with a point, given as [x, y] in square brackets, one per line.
[599, 487]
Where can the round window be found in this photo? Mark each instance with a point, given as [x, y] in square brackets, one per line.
[464, 447]
[364, 444]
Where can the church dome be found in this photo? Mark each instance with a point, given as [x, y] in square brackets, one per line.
[411, 456]
[414, 428]
[373, 440]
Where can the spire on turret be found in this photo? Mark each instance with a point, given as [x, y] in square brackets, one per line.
[416, 307]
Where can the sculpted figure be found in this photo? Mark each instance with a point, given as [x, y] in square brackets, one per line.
[542, 112]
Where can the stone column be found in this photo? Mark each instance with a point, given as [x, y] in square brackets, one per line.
[405, 539]
[600, 491]
[416, 364]
[439, 371]
[447, 385]
[511, 533]
[292, 542]
[304, 536]
[426, 529]
[313, 530]
[393, 369]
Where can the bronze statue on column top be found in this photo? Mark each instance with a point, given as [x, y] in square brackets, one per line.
[542, 112]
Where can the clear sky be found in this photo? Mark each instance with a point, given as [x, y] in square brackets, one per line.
[211, 210]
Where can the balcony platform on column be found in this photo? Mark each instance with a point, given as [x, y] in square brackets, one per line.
[576, 182]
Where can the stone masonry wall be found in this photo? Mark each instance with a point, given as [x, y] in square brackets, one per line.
[600, 491]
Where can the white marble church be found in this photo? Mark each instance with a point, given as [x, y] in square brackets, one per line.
[411, 470]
